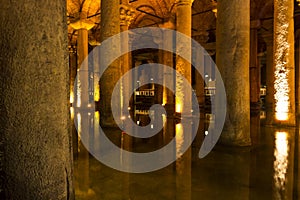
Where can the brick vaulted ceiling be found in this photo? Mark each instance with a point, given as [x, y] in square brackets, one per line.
[155, 12]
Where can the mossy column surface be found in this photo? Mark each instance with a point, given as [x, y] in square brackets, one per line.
[233, 45]
[34, 100]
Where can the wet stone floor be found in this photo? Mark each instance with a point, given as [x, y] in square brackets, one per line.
[268, 170]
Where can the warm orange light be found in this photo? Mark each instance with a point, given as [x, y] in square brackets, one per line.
[71, 96]
[281, 84]
[178, 106]
[281, 160]
[179, 140]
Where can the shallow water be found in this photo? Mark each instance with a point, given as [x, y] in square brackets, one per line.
[267, 170]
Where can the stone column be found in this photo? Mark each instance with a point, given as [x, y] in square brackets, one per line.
[233, 46]
[284, 83]
[200, 61]
[34, 100]
[297, 66]
[166, 58]
[269, 99]
[254, 68]
[126, 16]
[82, 25]
[110, 24]
[183, 25]
[183, 97]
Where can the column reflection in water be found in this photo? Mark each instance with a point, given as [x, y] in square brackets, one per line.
[283, 166]
[82, 180]
[183, 163]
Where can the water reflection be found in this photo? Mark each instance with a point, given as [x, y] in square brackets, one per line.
[281, 154]
[263, 172]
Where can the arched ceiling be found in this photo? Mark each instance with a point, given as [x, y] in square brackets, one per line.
[156, 12]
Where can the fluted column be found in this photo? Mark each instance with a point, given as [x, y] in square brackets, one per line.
[110, 24]
[233, 34]
[284, 62]
[34, 100]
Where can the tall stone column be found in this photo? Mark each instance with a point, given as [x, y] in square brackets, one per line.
[110, 24]
[126, 16]
[200, 61]
[34, 100]
[254, 68]
[284, 83]
[233, 46]
[183, 99]
[183, 25]
[82, 25]
[269, 99]
[166, 58]
[297, 62]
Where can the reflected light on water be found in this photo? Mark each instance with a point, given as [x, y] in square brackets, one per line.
[78, 94]
[72, 113]
[79, 126]
[179, 140]
[281, 162]
[71, 97]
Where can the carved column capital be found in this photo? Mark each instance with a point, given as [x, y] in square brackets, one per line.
[127, 15]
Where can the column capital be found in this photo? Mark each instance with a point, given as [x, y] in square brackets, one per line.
[168, 23]
[127, 15]
[80, 21]
[184, 2]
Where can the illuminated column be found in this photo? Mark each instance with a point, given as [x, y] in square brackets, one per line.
[269, 100]
[183, 25]
[34, 96]
[284, 83]
[233, 46]
[82, 25]
[254, 68]
[72, 70]
[167, 59]
[110, 24]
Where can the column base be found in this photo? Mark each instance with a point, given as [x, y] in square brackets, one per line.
[236, 137]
